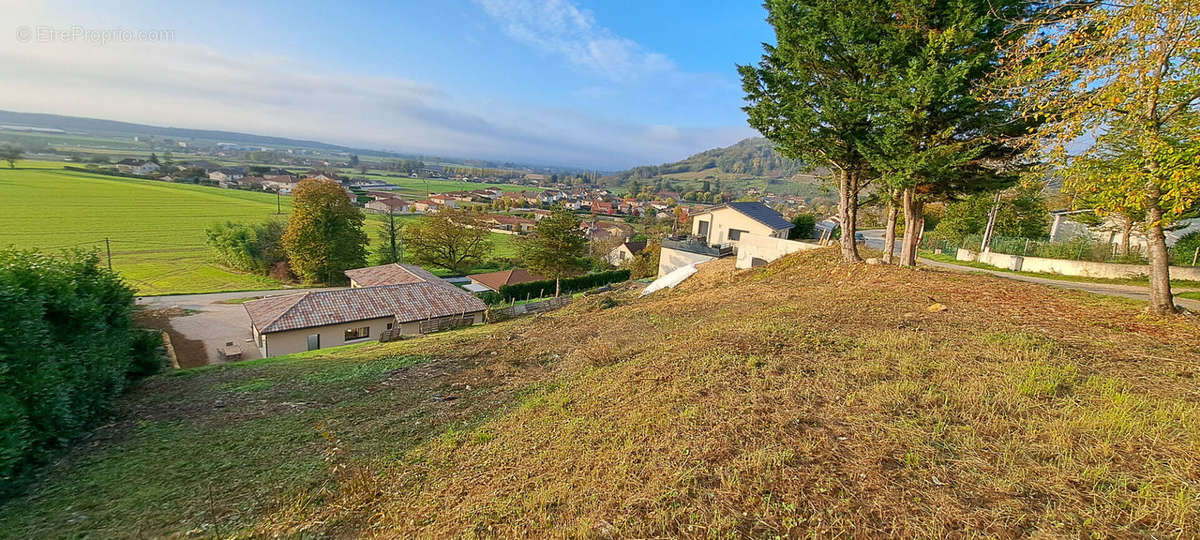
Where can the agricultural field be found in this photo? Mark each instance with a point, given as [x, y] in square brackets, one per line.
[156, 229]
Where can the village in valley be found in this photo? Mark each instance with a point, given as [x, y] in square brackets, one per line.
[548, 269]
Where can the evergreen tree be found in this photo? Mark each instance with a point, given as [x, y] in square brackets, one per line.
[813, 93]
[557, 248]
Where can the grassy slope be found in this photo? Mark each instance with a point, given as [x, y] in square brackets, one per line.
[800, 397]
[157, 228]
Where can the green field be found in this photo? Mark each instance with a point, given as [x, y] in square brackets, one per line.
[156, 229]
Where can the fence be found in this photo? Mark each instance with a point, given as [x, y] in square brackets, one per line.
[1076, 249]
[516, 310]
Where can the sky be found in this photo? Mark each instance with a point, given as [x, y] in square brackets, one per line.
[589, 84]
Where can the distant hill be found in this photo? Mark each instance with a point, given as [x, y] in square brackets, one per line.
[751, 162]
[94, 126]
[53, 124]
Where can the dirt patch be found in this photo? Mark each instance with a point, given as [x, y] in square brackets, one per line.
[191, 352]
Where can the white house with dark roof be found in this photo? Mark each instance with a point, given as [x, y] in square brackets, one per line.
[395, 297]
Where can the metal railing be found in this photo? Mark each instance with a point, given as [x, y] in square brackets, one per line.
[696, 244]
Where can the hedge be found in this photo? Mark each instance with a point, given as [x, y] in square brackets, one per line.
[68, 347]
[535, 289]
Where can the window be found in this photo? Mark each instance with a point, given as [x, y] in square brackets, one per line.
[703, 231]
[736, 234]
[389, 326]
[358, 333]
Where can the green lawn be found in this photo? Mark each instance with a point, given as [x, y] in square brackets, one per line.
[156, 228]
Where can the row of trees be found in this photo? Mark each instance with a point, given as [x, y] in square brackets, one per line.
[933, 101]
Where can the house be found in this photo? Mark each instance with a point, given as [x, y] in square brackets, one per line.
[492, 281]
[136, 166]
[398, 297]
[605, 230]
[226, 175]
[603, 207]
[448, 201]
[625, 252]
[717, 231]
[724, 224]
[423, 205]
[388, 205]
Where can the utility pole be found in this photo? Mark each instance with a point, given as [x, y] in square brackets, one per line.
[991, 225]
[108, 251]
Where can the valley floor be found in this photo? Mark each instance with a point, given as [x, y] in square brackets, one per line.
[803, 397]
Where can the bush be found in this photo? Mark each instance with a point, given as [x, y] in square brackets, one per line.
[490, 298]
[803, 227]
[535, 289]
[67, 348]
[254, 248]
[1185, 249]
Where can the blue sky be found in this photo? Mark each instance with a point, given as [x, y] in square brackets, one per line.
[557, 82]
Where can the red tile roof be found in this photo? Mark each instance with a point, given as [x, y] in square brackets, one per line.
[495, 280]
[391, 274]
[408, 302]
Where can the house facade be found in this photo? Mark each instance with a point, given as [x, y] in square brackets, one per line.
[392, 297]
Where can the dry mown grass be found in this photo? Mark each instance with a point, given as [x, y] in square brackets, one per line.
[804, 398]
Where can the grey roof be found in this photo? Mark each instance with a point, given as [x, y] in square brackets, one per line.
[428, 298]
[758, 212]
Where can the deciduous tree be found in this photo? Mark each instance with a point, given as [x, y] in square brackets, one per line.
[11, 153]
[1127, 70]
[324, 237]
[452, 239]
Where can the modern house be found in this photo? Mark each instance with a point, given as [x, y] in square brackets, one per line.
[492, 281]
[724, 224]
[392, 297]
[717, 232]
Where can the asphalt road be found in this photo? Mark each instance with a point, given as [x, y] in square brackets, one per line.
[874, 240]
[212, 323]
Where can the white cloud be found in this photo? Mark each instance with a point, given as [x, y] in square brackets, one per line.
[559, 27]
[184, 85]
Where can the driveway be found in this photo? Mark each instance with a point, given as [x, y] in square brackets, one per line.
[200, 325]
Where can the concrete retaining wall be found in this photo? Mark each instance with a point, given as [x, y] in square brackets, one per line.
[1066, 267]
[671, 259]
[757, 249]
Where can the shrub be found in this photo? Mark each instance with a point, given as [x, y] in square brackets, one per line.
[67, 348]
[1185, 248]
[535, 289]
[803, 227]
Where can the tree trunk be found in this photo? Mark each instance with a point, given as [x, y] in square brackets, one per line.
[889, 235]
[557, 286]
[1161, 300]
[914, 221]
[848, 213]
[1126, 229]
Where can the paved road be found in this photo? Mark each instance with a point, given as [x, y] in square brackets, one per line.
[212, 323]
[874, 240]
